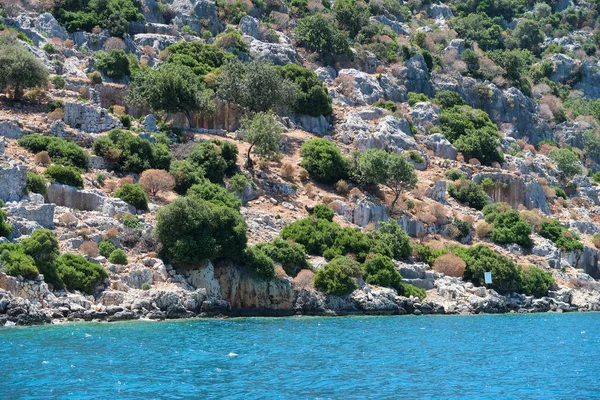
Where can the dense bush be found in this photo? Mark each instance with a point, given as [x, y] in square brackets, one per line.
[215, 194]
[508, 226]
[291, 255]
[337, 277]
[315, 234]
[479, 28]
[186, 175]
[391, 240]
[313, 98]
[215, 158]
[506, 275]
[380, 270]
[351, 15]
[469, 193]
[36, 183]
[5, 227]
[112, 63]
[317, 33]
[42, 246]
[201, 58]
[428, 255]
[349, 241]
[133, 193]
[324, 161]
[414, 98]
[255, 259]
[130, 153]
[536, 281]
[323, 211]
[567, 161]
[264, 136]
[192, 230]
[454, 174]
[77, 273]
[19, 69]
[118, 256]
[15, 262]
[61, 151]
[448, 99]
[65, 175]
[106, 247]
[566, 240]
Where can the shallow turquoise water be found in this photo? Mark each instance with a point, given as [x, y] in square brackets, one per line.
[542, 356]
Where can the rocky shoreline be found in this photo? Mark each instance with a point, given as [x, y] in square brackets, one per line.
[230, 291]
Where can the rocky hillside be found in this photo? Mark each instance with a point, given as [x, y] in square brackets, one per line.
[179, 158]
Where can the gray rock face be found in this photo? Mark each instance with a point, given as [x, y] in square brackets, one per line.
[69, 196]
[361, 213]
[249, 26]
[425, 115]
[43, 214]
[58, 129]
[517, 191]
[281, 53]
[157, 41]
[151, 11]
[48, 25]
[416, 274]
[393, 133]
[150, 123]
[89, 118]
[13, 182]
[437, 191]
[397, 26]
[565, 68]
[587, 260]
[415, 76]
[589, 83]
[441, 146]
[437, 11]
[2, 145]
[318, 125]
[20, 311]
[11, 129]
[136, 277]
[195, 14]
[114, 206]
[366, 89]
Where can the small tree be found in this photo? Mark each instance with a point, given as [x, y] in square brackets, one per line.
[384, 168]
[264, 135]
[134, 194]
[156, 180]
[567, 162]
[19, 69]
[324, 161]
[113, 63]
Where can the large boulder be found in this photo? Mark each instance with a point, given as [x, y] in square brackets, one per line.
[89, 118]
[249, 26]
[43, 214]
[11, 129]
[69, 196]
[441, 146]
[152, 11]
[318, 125]
[589, 83]
[46, 24]
[156, 41]
[564, 68]
[397, 26]
[196, 15]
[392, 133]
[362, 212]
[365, 88]
[13, 182]
[415, 75]
[280, 53]
[516, 191]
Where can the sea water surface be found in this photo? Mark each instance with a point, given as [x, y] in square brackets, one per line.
[541, 356]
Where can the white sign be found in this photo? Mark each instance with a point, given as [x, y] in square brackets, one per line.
[488, 277]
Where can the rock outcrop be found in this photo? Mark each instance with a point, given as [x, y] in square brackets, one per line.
[89, 118]
[13, 182]
[516, 191]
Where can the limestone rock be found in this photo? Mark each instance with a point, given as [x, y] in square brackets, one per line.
[517, 191]
[89, 118]
[43, 214]
[441, 146]
[397, 26]
[393, 133]
[318, 125]
[13, 182]
[281, 53]
[157, 41]
[11, 129]
[415, 75]
[249, 26]
[48, 25]
[150, 124]
[69, 196]
[137, 276]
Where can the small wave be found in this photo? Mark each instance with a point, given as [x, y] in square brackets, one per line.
[232, 355]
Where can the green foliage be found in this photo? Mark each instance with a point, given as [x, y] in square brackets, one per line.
[36, 183]
[472, 132]
[514, 62]
[42, 246]
[61, 151]
[215, 194]
[591, 144]
[351, 15]
[409, 290]
[130, 221]
[427, 255]
[256, 86]
[318, 33]
[15, 262]
[324, 161]
[337, 277]
[380, 167]
[380, 270]
[77, 273]
[106, 247]
[528, 35]
[560, 192]
[19, 69]
[131, 153]
[454, 174]
[113, 15]
[238, 183]
[256, 260]
[118, 256]
[349, 241]
[509, 227]
[448, 99]
[566, 240]
[313, 98]
[192, 230]
[414, 98]
[390, 239]
[65, 175]
[171, 88]
[214, 158]
[468, 193]
[580, 106]
[386, 105]
[5, 227]
[201, 58]
[567, 161]
[231, 40]
[134, 194]
[536, 281]
[113, 63]
[315, 234]
[126, 120]
[481, 29]
[264, 135]
[59, 82]
[506, 275]
[186, 175]
[323, 211]
[291, 255]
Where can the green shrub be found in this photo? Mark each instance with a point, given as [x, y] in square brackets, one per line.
[118, 256]
[567, 161]
[201, 58]
[317, 33]
[448, 99]
[479, 28]
[454, 175]
[414, 98]
[215, 194]
[508, 226]
[315, 234]
[130, 221]
[58, 82]
[65, 175]
[113, 63]
[186, 175]
[134, 194]
[349, 241]
[106, 247]
[61, 151]
[386, 105]
[390, 239]
[409, 290]
[380, 270]
[238, 183]
[291, 255]
[192, 230]
[560, 191]
[566, 240]
[337, 277]
[77, 273]
[95, 78]
[324, 161]
[15, 262]
[215, 158]
[43, 247]
[258, 261]
[126, 120]
[506, 275]
[36, 183]
[145, 286]
[536, 281]
[427, 255]
[113, 15]
[20, 68]
[313, 98]
[468, 193]
[323, 211]
[5, 227]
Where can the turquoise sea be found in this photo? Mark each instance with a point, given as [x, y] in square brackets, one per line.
[541, 356]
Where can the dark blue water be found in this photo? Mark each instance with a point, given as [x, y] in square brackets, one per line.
[542, 356]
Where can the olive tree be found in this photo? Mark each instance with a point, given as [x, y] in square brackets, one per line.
[264, 135]
[19, 69]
